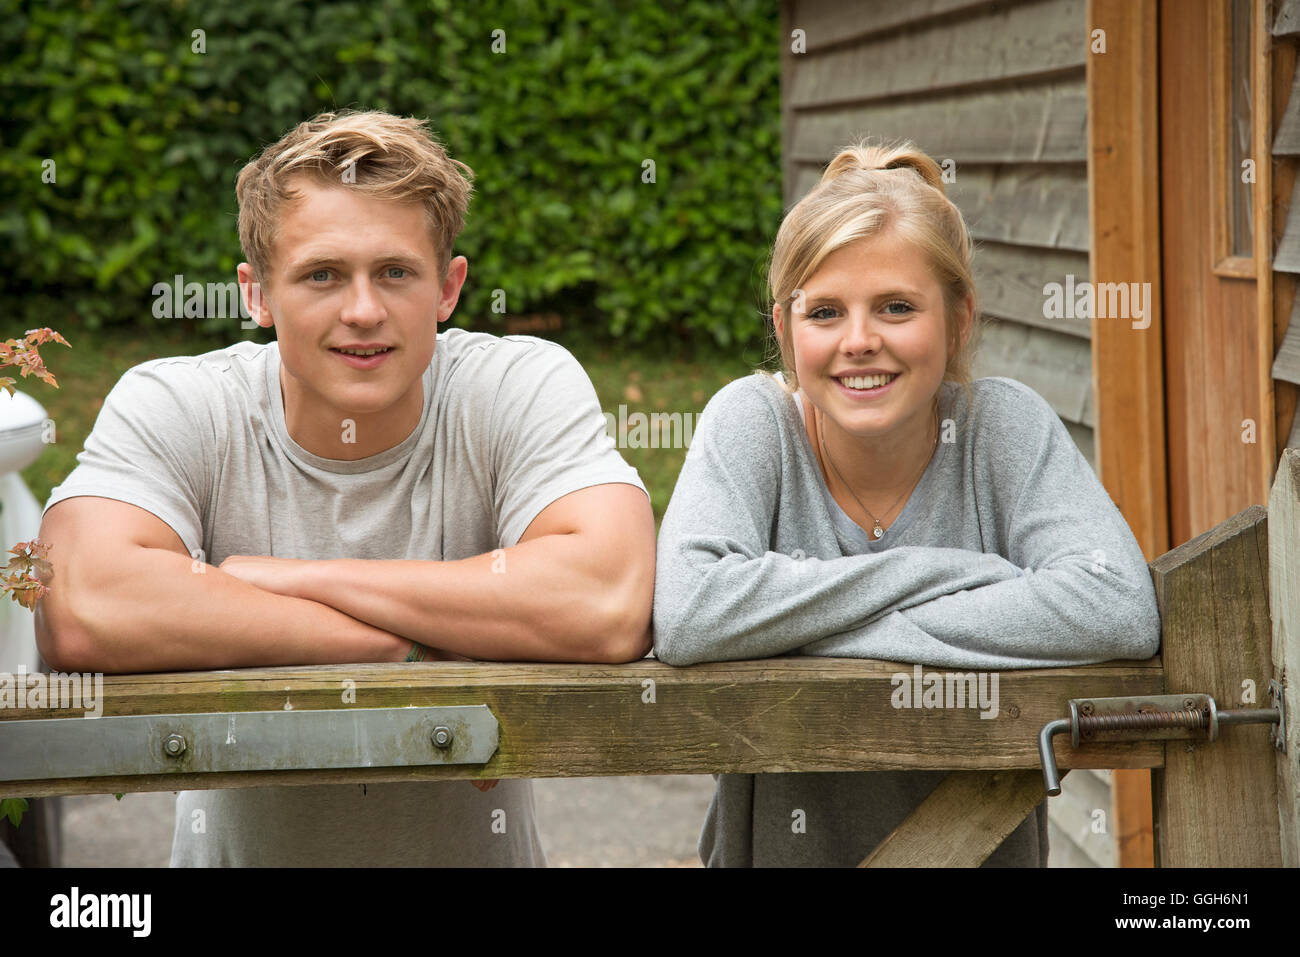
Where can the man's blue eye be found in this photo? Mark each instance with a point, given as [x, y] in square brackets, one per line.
[321, 275]
[397, 269]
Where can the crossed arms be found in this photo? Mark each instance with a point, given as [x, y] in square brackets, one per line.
[126, 596]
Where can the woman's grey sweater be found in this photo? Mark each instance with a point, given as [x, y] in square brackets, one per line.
[1008, 554]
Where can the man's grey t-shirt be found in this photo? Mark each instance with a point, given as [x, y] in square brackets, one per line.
[508, 426]
[1009, 553]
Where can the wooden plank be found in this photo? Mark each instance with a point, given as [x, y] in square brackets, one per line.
[560, 720]
[1286, 364]
[1005, 44]
[1278, 401]
[828, 23]
[1057, 367]
[1280, 74]
[1011, 283]
[962, 821]
[1284, 594]
[1039, 123]
[1288, 19]
[1124, 220]
[1127, 363]
[1287, 140]
[1287, 257]
[1041, 206]
[1216, 804]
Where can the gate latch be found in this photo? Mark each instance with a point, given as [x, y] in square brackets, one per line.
[1169, 716]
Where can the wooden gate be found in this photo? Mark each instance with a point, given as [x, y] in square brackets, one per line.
[1230, 611]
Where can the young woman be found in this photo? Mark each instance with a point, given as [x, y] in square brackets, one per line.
[871, 501]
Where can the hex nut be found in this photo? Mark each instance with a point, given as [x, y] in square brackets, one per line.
[442, 737]
[174, 745]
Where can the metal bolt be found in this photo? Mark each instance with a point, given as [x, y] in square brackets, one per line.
[1014, 711]
[174, 745]
[442, 737]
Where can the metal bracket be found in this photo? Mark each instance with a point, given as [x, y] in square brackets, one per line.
[1171, 717]
[130, 745]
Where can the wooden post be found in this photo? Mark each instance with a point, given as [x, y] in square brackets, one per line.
[1216, 803]
[1284, 591]
[1128, 376]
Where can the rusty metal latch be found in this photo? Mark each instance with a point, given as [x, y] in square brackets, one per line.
[1170, 716]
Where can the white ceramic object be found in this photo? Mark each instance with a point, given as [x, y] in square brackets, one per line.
[22, 420]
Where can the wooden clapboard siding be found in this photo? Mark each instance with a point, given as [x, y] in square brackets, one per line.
[999, 89]
[977, 47]
[1287, 23]
[1010, 281]
[1037, 123]
[1057, 367]
[1036, 206]
[829, 23]
[1285, 233]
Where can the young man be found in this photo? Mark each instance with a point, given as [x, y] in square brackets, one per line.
[360, 490]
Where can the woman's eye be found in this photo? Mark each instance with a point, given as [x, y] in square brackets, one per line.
[822, 312]
[907, 307]
[401, 273]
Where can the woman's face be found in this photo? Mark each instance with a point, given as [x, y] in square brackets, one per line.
[872, 306]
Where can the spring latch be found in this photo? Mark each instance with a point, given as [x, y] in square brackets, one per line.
[1172, 717]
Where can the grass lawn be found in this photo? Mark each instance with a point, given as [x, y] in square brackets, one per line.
[642, 381]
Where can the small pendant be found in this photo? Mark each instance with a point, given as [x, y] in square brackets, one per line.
[877, 531]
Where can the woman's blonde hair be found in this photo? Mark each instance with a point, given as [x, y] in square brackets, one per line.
[380, 154]
[866, 190]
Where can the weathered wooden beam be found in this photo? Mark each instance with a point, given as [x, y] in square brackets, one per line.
[962, 821]
[1284, 598]
[1216, 803]
[564, 720]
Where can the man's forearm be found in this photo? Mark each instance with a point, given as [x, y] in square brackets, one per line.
[539, 601]
[154, 612]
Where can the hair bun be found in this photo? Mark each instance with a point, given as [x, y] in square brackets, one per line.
[866, 157]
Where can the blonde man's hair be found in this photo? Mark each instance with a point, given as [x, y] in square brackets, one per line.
[867, 190]
[380, 154]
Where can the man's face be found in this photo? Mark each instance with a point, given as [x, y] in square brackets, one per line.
[351, 271]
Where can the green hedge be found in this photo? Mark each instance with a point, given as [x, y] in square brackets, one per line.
[148, 136]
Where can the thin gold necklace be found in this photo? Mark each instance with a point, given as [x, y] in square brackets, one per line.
[877, 531]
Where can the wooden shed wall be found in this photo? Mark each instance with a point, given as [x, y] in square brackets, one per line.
[1286, 213]
[999, 88]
